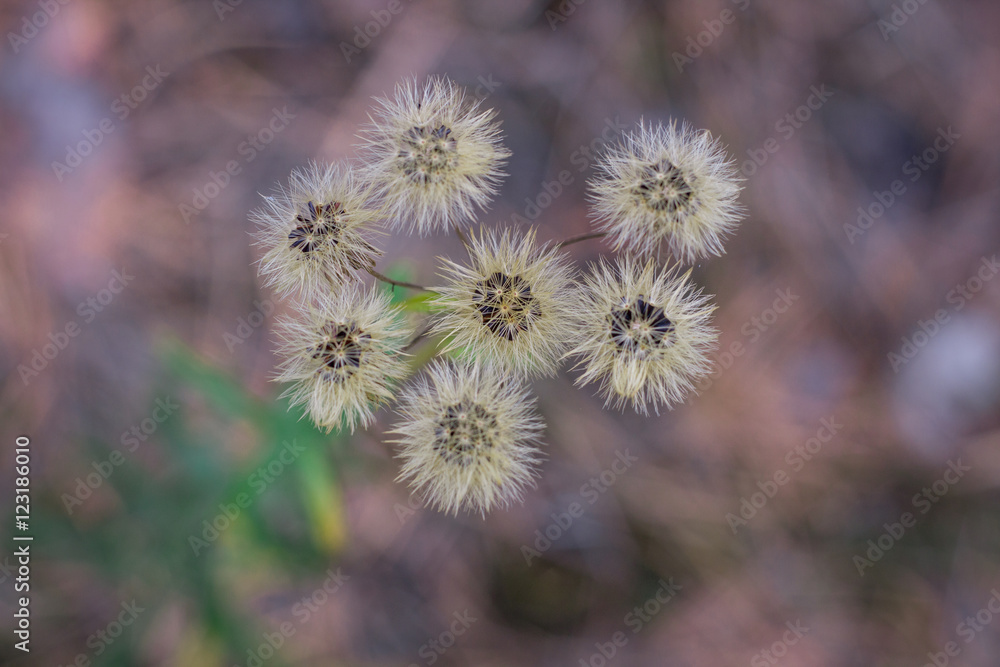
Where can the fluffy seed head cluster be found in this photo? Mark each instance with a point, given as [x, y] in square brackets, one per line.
[312, 231]
[512, 305]
[664, 183]
[431, 159]
[468, 437]
[343, 357]
[643, 333]
[433, 156]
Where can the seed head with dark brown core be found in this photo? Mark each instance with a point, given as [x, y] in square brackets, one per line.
[663, 187]
[505, 304]
[425, 154]
[341, 351]
[321, 224]
[638, 327]
[464, 430]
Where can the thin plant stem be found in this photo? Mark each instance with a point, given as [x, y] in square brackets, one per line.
[398, 283]
[462, 237]
[417, 338]
[582, 237]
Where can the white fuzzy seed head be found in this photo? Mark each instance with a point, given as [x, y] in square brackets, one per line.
[468, 437]
[343, 356]
[312, 231]
[664, 183]
[433, 155]
[512, 305]
[643, 334]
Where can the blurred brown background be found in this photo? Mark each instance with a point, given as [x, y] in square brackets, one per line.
[829, 498]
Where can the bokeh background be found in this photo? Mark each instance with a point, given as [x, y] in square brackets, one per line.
[768, 513]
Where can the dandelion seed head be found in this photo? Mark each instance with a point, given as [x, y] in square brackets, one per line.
[434, 156]
[667, 184]
[512, 305]
[313, 231]
[468, 437]
[643, 334]
[343, 357]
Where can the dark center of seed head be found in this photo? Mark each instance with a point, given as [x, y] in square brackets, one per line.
[639, 327]
[340, 351]
[426, 153]
[505, 304]
[316, 226]
[663, 187]
[463, 431]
